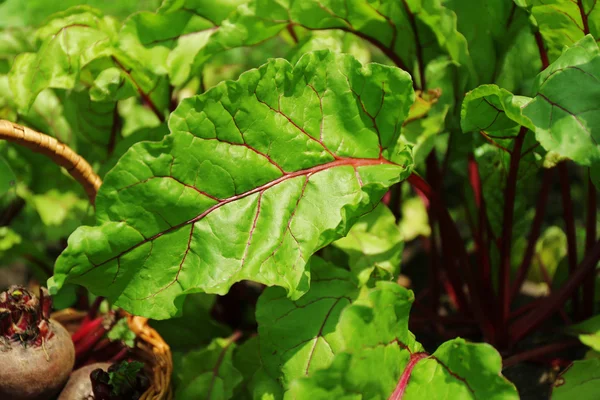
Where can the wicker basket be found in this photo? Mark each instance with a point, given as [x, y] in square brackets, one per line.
[150, 347]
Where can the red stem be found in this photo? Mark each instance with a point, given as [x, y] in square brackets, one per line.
[403, 382]
[536, 230]
[92, 311]
[538, 352]
[565, 190]
[526, 324]
[480, 242]
[584, 17]
[589, 285]
[434, 267]
[418, 48]
[507, 226]
[543, 54]
[451, 234]
[85, 329]
[454, 276]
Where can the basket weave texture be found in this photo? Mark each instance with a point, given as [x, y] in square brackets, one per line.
[150, 348]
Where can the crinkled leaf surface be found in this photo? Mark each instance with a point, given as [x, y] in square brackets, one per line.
[406, 31]
[70, 40]
[208, 373]
[79, 44]
[374, 244]
[383, 361]
[255, 177]
[564, 109]
[168, 40]
[580, 381]
[299, 337]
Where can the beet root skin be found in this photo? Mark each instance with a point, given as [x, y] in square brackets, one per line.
[37, 372]
[79, 386]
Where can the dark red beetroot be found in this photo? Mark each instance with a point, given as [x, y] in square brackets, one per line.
[103, 381]
[36, 353]
[79, 386]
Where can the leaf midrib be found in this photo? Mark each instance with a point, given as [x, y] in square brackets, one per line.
[340, 162]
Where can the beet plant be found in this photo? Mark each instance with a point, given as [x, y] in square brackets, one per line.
[284, 180]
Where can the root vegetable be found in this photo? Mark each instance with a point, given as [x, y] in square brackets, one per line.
[36, 353]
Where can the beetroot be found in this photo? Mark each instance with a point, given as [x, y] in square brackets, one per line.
[79, 386]
[103, 381]
[36, 353]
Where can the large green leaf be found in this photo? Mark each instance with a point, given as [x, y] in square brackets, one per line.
[299, 337]
[564, 108]
[208, 373]
[581, 381]
[256, 176]
[382, 360]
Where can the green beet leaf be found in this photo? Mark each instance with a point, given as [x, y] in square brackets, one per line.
[563, 22]
[208, 373]
[398, 28]
[564, 109]
[383, 360]
[299, 337]
[256, 176]
[168, 40]
[257, 383]
[580, 381]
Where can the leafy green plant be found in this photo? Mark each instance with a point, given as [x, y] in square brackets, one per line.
[269, 165]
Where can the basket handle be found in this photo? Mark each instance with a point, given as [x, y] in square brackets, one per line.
[58, 152]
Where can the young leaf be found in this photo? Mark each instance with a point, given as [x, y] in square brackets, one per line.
[564, 108]
[490, 108]
[121, 332]
[299, 337]
[375, 333]
[208, 373]
[123, 378]
[581, 381]
[256, 176]
[374, 244]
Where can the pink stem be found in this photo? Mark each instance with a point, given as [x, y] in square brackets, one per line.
[403, 382]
